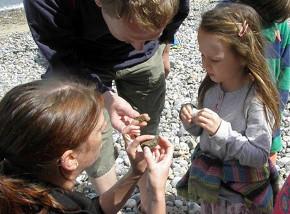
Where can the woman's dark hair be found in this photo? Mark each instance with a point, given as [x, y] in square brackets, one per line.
[39, 121]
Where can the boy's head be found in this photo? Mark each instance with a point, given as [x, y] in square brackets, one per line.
[137, 21]
[270, 10]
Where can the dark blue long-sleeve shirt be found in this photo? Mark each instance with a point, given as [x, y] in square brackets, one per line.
[73, 36]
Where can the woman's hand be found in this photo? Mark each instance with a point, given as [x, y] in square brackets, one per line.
[136, 154]
[158, 163]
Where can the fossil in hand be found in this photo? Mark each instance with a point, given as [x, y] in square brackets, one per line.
[151, 143]
[142, 117]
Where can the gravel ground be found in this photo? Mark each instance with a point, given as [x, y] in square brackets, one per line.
[21, 62]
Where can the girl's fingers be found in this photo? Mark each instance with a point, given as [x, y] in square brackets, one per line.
[201, 119]
[204, 114]
[187, 110]
[203, 125]
[185, 116]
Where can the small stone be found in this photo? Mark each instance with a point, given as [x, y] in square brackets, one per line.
[131, 203]
[175, 181]
[283, 161]
[178, 203]
[151, 143]
[169, 203]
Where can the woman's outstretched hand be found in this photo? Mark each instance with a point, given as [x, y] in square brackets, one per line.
[158, 163]
[136, 154]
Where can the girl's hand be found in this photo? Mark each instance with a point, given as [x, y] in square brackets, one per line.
[136, 154]
[158, 163]
[187, 113]
[208, 120]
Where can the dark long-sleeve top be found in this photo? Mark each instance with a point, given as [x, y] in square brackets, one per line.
[73, 36]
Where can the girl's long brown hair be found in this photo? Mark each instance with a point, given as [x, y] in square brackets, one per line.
[38, 122]
[225, 21]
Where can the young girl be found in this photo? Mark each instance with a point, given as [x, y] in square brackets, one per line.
[238, 106]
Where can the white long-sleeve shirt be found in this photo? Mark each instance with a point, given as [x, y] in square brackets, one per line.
[244, 133]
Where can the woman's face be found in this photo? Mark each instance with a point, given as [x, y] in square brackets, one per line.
[90, 150]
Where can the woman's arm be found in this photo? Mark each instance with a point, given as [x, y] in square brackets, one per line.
[115, 198]
[157, 161]
[158, 165]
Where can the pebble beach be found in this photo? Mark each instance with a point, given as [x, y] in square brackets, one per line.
[21, 62]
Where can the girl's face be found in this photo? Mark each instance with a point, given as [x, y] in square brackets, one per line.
[90, 150]
[220, 62]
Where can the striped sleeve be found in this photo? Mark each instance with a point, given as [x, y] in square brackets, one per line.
[284, 77]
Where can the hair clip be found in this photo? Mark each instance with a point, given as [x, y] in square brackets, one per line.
[243, 29]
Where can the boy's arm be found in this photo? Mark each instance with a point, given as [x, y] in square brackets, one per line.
[53, 30]
[284, 77]
[168, 33]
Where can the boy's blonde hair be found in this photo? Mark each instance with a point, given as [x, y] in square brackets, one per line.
[150, 14]
[238, 26]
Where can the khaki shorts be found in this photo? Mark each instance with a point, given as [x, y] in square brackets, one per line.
[143, 86]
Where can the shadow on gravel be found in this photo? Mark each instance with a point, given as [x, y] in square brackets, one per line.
[40, 60]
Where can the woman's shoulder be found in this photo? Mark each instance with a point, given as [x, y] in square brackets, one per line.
[76, 201]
